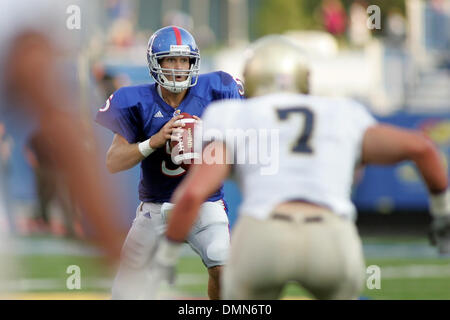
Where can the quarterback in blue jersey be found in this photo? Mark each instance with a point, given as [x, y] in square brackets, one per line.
[143, 118]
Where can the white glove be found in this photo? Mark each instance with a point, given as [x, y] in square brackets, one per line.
[166, 208]
[440, 204]
[162, 267]
[440, 226]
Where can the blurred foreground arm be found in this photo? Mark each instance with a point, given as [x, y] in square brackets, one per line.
[201, 181]
[385, 144]
[35, 80]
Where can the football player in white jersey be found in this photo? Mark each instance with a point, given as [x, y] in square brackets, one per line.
[32, 83]
[297, 224]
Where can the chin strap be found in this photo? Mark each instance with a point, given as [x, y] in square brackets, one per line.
[177, 87]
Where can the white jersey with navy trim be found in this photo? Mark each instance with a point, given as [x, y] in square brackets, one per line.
[314, 144]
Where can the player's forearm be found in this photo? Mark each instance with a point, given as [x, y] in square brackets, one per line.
[184, 213]
[201, 181]
[123, 157]
[385, 145]
[79, 167]
[188, 198]
[431, 167]
[32, 75]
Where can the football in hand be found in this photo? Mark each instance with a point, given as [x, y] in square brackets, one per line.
[182, 143]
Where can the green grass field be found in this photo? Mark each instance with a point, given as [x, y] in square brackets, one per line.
[416, 274]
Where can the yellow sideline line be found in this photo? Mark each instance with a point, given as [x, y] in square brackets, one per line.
[82, 296]
[57, 296]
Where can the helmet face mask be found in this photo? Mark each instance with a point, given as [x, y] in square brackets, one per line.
[173, 42]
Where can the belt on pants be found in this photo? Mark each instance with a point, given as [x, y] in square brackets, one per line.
[289, 218]
[301, 213]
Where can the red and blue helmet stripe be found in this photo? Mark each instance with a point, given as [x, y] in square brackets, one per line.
[162, 39]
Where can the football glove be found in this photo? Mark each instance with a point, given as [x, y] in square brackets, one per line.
[440, 234]
[440, 225]
[162, 267]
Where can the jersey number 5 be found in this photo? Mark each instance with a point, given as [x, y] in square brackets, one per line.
[302, 143]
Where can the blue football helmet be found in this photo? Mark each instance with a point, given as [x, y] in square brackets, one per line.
[173, 41]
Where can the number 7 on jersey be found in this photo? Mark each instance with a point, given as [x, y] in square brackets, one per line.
[302, 143]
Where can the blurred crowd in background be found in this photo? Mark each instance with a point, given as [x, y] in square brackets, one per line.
[390, 54]
[392, 57]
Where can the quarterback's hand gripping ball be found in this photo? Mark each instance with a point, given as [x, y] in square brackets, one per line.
[182, 142]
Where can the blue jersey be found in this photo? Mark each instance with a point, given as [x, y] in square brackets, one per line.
[138, 112]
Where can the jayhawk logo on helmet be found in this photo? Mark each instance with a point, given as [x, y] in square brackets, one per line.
[173, 41]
